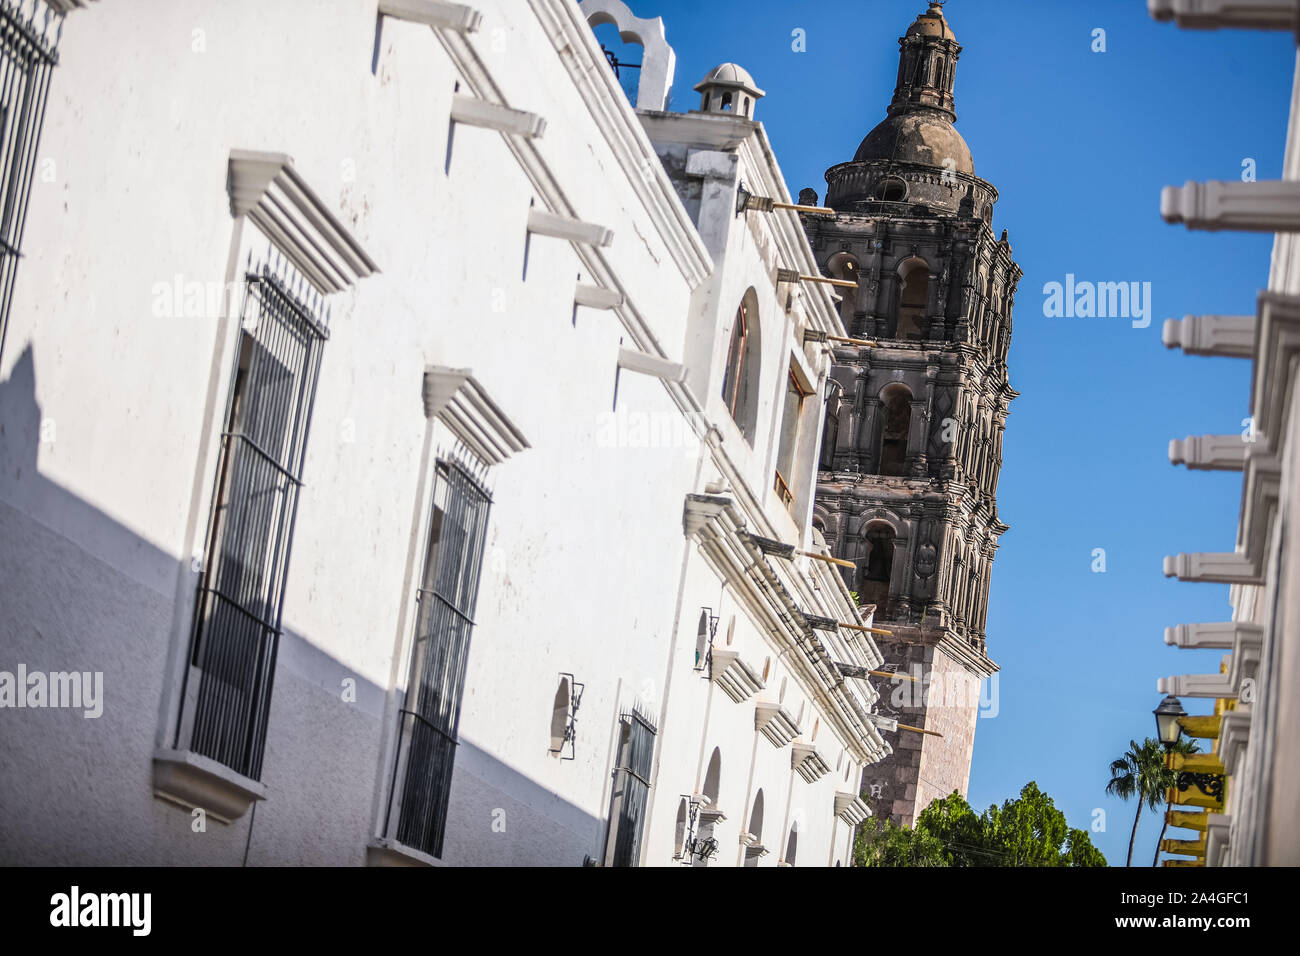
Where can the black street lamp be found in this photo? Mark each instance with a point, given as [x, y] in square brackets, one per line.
[1168, 729]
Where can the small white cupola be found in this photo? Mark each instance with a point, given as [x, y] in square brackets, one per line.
[728, 89]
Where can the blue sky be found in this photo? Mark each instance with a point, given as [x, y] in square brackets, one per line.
[1079, 145]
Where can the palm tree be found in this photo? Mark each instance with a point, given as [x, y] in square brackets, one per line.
[1183, 746]
[1139, 773]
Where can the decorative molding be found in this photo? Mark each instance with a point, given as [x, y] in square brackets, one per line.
[456, 398]
[805, 759]
[1219, 634]
[473, 111]
[194, 781]
[594, 297]
[658, 61]
[545, 223]
[715, 522]
[1264, 206]
[1218, 827]
[1197, 685]
[1229, 336]
[1216, 567]
[1261, 490]
[1234, 736]
[851, 808]
[737, 679]
[1215, 14]
[711, 815]
[1209, 452]
[635, 361]
[753, 845]
[1243, 665]
[269, 191]
[775, 723]
[433, 13]
[701, 512]
[1274, 370]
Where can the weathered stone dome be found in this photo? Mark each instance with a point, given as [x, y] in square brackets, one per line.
[923, 137]
[931, 24]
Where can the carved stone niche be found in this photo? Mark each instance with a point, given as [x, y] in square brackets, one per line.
[925, 565]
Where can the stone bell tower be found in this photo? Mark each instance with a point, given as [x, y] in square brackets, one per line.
[916, 410]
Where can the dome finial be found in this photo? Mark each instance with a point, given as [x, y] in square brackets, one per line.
[919, 126]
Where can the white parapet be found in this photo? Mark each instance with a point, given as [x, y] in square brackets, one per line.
[1266, 206]
[1229, 336]
[1209, 452]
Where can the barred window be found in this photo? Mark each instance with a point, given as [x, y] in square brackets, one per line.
[430, 718]
[250, 536]
[27, 54]
[631, 789]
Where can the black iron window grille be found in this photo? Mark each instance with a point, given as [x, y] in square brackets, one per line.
[631, 787]
[28, 52]
[250, 536]
[428, 723]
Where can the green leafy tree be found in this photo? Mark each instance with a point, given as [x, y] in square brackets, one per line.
[1141, 773]
[1026, 831]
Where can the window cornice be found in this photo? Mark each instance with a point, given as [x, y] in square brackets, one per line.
[267, 189]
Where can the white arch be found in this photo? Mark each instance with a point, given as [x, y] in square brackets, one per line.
[658, 61]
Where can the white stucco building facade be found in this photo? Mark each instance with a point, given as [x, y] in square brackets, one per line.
[419, 442]
[1244, 808]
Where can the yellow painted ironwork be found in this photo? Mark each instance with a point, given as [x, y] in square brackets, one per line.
[1204, 727]
[1187, 819]
[1194, 763]
[1192, 797]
